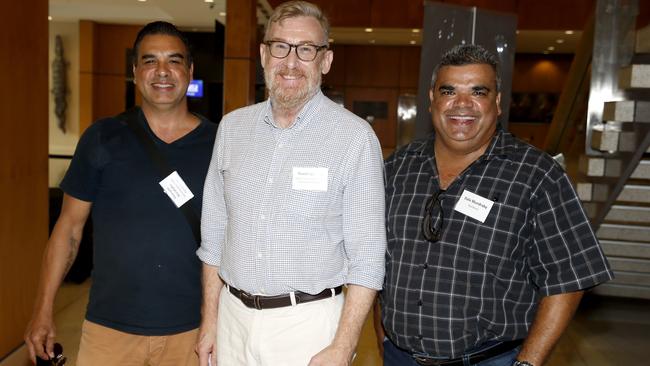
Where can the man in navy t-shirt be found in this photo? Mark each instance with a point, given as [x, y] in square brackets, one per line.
[145, 298]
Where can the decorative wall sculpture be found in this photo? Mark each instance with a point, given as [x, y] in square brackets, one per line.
[59, 82]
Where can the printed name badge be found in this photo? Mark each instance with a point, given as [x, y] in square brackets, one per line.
[176, 189]
[474, 206]
[309, 179]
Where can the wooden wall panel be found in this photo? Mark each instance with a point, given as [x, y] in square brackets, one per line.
[336, 75]
[554, 14]
[241, 35]
[112, 43]
[86, 76]
[534, 133]
[109, 96]
[540, 73]
[409, 66]
[372, 66]
[23, 162]
[396, 14]
[241, 55]
[507, 6]
[386, 128]
[238, 77]
[103, 68]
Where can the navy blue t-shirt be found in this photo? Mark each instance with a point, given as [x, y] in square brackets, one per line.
[146, 275]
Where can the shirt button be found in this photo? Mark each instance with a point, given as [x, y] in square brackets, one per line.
[419, 336]
[262, 217]
[420, 302]
[259, 255]
[280, 145]
[270, 180]
[425, 265]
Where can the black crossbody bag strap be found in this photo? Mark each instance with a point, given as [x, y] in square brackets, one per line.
[161, 164]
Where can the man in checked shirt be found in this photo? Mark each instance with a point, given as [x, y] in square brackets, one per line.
[489, 250]
[294, 209]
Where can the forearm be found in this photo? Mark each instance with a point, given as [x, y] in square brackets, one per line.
[59, 255]
[553, 316]
[212, 285]
[358, 302]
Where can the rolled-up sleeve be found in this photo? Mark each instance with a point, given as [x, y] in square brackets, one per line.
[214, 217]
[364, 227]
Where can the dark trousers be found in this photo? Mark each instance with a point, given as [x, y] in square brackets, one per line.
[394, 356]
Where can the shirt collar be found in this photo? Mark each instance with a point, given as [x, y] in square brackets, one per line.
[305, 114]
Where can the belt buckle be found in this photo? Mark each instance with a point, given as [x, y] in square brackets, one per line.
[246, 297]
[428, 361]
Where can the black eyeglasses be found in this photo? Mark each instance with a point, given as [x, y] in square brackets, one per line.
[430, 231]
[305, 52]
[58, 359]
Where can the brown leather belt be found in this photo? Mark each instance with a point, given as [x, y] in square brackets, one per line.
[271, 302]
[474, 357]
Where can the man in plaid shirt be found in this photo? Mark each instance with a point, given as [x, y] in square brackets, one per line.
[489, 249]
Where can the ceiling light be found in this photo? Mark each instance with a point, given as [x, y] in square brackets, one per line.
[415, 30]
[551, 48]
[412, 42]
[49, 17]
[517, 31]
[545, 52]
[209, 1]
[568, 32]
[142, 1]
[372, 41]
[222, 13]
[330, 40]
[368, 30]
[560, 41]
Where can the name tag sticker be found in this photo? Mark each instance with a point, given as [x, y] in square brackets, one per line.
[176, 189]
[474, 206]
[309, 179]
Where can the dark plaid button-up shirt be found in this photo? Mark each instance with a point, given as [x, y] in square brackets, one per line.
[481, 281]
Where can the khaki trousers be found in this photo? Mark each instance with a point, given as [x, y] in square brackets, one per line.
[288, 336]
[103, 346]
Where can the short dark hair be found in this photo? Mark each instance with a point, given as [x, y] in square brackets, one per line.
[468, 54]
[164, 28]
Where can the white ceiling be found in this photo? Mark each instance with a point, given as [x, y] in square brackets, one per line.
[198, 15]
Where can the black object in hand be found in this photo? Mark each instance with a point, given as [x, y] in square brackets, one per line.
[57, 360]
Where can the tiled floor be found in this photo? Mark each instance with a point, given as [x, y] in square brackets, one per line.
[605, 332]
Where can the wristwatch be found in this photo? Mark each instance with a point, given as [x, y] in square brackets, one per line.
[522, 363]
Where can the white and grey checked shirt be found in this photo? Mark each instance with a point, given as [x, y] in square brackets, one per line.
[269, 238]
[481, 281]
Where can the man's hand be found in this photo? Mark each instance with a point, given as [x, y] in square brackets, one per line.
[358, 302]
[206, 347]
[39, 337]
[332, 356]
